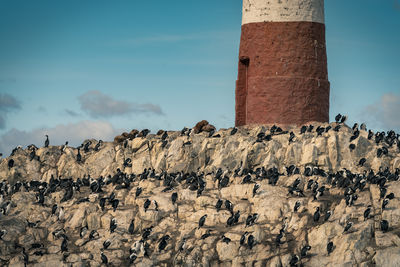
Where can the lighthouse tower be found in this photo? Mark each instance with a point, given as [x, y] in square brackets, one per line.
[283, 77]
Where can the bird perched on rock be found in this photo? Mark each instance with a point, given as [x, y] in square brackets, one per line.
[225, 239]
[218, 205]
[304, 251]
[163, 243]
[384, 226]
[79, 156]
[367, 212]
[131, 228]
[251, 242]
[104, 258]
[138, 191]
[113, 225]
[146, 204]
[328, 214]
[106, 244]
[255, 188]
[174, 197]
[293, 261]
[243, 238]
[46, 142]
[348, 226]
[202, 220]
[329, 247]
[316, 215]
[296, 206]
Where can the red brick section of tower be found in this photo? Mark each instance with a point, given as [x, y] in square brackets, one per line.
[283, 75]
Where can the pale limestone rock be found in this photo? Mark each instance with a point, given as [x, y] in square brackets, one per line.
[388, 257]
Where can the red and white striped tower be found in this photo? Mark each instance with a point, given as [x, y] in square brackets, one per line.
[283, 75]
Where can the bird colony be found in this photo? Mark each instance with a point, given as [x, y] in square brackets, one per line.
[316, 195]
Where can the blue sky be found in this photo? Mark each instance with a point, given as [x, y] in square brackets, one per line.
[80, 69]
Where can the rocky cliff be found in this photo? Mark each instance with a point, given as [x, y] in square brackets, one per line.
[326, 195]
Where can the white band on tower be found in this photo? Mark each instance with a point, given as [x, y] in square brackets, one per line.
[283, 11]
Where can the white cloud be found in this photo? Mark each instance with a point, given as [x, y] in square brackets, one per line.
[74, 133]
[99, 105]
[385, 113]
[8, 103]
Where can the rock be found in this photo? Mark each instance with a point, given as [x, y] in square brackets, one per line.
[199, 126]
[387, 257]
[183, 165]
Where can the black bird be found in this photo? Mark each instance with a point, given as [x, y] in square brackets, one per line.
[236, 217]
[343, 120]
[291, 137]
[103, 203]
[146, 204]
[316, 215]
[384, 226]
[218, 205]
[225, 239]
[296, 206]
[303, 129]
[104, 258]
[229, 206]
[174, 197]
[93, 235]
[207, 234]
[231, 220]
[367, 212]
[25, 256]
[279, 237]
[114, 204]
[385, 203]
[362, 162]
[246, 179]
[328, 214]
[223, 182]
[383, 192]
[164, 136]
[250, 241]
[132, 258]
[138, 191]
[234, 130]
[294, 260]
[64, 245]
[255, 188]
[243, 238]
[251, 219]
[338, 118]
[147, 232]
[113, 225]
[352, 147]
[163, 243]
[379, 152]
[83, 231]
[11, 163]
[390, 196]
[47, 142]
[2, 234]
[131, 228]
[202, 220]
[182, 246]
[106, 244]
[329, 247]
[304, 251]
[79, 156]
[348, 226]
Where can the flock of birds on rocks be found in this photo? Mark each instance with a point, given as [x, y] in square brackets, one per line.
[351, 183]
